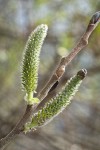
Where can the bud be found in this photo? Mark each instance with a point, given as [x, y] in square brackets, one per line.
[95, 18]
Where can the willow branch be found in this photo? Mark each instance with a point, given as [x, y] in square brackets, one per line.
[58, 73]
[67, 59]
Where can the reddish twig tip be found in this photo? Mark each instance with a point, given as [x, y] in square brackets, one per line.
[82, 73]
[95, 18]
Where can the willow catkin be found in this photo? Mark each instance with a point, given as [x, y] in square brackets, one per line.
[57, 104]
[31, 60]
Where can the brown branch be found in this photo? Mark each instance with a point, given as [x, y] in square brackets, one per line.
[66, 60]
[17, 129]
[55, 77]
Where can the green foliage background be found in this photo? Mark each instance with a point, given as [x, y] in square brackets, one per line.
[78, 127]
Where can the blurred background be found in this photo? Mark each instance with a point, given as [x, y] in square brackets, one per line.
[77, 127]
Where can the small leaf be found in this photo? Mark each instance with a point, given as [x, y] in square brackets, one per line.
[31, 100]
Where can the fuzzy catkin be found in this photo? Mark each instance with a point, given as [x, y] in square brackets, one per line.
[31, 59]
[57, 104]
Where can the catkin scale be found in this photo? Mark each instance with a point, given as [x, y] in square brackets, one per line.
[57, 104]
[29, 75]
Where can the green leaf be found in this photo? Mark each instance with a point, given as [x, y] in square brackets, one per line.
[31, 100]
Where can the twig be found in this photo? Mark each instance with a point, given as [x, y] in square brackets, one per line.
[55, 77]
[66, 60]
[17, 129]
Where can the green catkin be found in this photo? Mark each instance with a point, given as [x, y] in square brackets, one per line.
[31, 60]
[57, 104]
